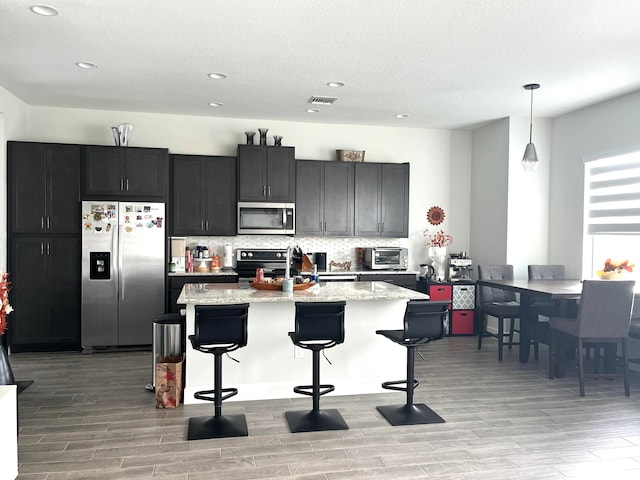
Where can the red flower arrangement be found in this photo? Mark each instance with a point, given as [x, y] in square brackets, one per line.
[435, 216]
[5, 308]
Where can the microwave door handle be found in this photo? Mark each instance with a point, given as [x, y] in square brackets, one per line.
[284, 217]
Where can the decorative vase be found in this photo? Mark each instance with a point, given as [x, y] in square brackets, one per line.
[277, 140]
[438, 256]
[6, 374]
[263, 135]
[250, 136]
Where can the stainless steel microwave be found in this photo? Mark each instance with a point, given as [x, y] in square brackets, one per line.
[266, 218]
[386, 258]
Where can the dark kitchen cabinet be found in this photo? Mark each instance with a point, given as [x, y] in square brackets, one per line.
[45, 293]
[44, 193]
[266, 174]
[382, 199]
[175, 284]
[124, 173]
[324, 198]
[203, 195]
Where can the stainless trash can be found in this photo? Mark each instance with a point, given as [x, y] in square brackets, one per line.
[167, 340]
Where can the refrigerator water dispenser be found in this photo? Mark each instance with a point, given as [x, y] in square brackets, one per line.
[100, 265]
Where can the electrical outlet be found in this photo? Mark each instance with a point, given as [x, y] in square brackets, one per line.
[298, 352]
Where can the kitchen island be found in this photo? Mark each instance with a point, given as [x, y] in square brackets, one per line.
[269, 366]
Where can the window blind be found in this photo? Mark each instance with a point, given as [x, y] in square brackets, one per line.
[613, 195]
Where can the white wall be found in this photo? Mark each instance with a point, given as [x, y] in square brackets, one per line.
[607, 128]
[489, 193]
[430, 152]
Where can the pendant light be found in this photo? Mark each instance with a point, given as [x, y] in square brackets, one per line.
[530, 157]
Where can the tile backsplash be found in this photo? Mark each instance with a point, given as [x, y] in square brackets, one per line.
[337, 249]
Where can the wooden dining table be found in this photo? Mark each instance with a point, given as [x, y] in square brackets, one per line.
[565, 292]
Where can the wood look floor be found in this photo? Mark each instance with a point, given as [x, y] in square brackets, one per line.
[89, 417]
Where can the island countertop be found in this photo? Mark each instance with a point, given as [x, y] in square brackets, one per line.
[228, 293]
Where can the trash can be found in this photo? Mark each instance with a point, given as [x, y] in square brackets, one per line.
[167, 340]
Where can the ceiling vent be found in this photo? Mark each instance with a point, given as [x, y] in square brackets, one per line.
[315, 100]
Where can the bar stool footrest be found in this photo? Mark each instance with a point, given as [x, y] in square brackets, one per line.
[201, 428]
[392, 385]
[315, 420]
[308, 389]
[415, 414]
[210, 395]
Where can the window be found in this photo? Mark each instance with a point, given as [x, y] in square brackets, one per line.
[612, 213]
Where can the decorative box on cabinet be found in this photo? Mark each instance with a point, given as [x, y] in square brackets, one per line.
[440, 291]
[462, 322]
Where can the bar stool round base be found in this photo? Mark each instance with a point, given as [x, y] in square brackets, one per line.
[315, 420]
[201, 428]
[416, 414]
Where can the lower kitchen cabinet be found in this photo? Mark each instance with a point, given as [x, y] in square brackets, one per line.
[175, 284]
[45, 293]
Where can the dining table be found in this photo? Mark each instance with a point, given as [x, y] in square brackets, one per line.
[564, 292]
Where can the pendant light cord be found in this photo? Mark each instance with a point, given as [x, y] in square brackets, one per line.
[531, 117]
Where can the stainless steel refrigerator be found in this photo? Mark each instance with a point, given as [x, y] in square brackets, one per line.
[123, 270]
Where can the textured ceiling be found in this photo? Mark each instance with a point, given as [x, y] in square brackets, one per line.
[446, 63]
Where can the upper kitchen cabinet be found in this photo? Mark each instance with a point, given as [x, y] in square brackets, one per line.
[382, 199]
[44, 181]
[122, 173]
[266, 174]
[324, 198]
[203, 195]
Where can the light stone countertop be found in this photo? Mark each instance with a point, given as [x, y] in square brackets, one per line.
[225, 293]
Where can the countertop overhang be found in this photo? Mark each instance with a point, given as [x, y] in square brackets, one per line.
[225, 293]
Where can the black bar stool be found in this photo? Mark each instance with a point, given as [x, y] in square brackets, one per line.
[423, 322]
[318, 325]
[219, 329]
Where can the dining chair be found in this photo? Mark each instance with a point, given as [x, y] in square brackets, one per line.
[542, 307]
[604, 318]
[498, 303]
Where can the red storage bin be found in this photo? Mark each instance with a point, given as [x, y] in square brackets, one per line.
[462, 322]
[440, 292]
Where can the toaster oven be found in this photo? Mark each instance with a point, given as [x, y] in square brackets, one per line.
[386, 258]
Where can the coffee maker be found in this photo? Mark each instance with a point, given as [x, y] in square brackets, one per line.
[460, 267]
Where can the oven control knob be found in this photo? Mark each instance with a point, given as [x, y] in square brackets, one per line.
[278, 254]
[249, 254]
[243, 254]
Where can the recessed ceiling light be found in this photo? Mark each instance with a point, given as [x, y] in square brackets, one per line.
[402, 115]
[335, 84]
[87, 65]
[44, 10]
[313, 110]
[218, 75]
[216, 104]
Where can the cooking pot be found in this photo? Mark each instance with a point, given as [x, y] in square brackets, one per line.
[427, 271]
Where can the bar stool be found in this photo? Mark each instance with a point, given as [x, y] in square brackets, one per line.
[219, 329]
[423, 322]
[318, 325]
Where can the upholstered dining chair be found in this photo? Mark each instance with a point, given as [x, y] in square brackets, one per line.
[498, 303]
[541, 307]
[604, 317]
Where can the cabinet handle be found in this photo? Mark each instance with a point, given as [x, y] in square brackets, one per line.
[48, 223]
[264, 190]
[121, 184]
[201, 224]
[41, 248]
[48, 248]
[42, 223]
[127, 183]
[206, 224]
[382, 227]
[269, 191]
[324, 228]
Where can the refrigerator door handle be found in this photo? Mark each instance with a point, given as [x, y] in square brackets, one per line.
[120, 272]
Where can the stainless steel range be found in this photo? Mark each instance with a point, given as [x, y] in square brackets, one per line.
[272, 261]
